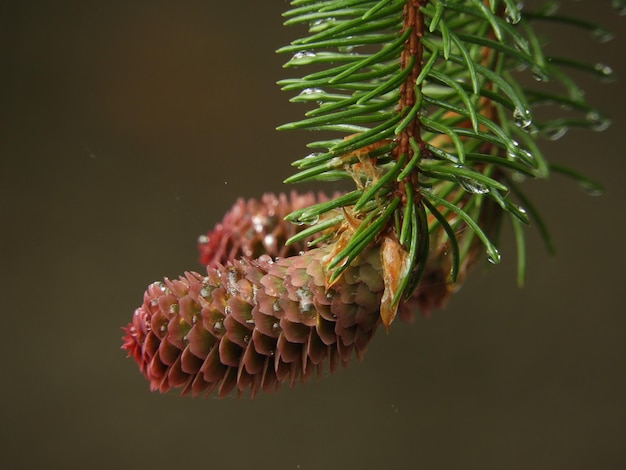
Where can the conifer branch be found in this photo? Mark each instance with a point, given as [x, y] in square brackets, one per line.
[437, 132]
[433, 107]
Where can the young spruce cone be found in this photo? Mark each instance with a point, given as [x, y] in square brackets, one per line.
[259, 323]
[254, 324]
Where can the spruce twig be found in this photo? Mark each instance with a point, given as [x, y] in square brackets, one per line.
[429, 95]
[436, 131]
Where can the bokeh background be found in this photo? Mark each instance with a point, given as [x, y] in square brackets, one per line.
[127, 129]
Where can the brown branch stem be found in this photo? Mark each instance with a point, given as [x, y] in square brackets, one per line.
[413, 19]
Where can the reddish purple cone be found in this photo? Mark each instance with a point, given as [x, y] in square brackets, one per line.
[254, 324]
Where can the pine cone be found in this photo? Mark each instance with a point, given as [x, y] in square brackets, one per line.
[254, 324]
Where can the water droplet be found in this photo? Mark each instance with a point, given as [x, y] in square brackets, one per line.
[556, 133]
[302, 58]
[521, 66]
[153, 303]
[258, 222]
[276, 306]
[162, 328]
[269, 241]
[598, 123]
[335, 162]
[471, 185]
[160, 286]
[232, 277]
[272, 353]
[494, 257]
[312, 91]
[602, 34]
[246, 339]
[515, 151]
[591, 189]
[604, 70]
[514, 15]
[266, 260]
[539, 75]
[512, 149]
[305, 298]
[312, 155]
[275, 327]
[311, 220]
[174, 308]
[203, 239]
[522, 118]
[218, 327]
[185, 338]
[255, 289]
[194, 319]
[311, 94]
[346, 49]
[526, 154]
[321, 24]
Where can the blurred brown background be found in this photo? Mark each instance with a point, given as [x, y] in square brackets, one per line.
[127, 128]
